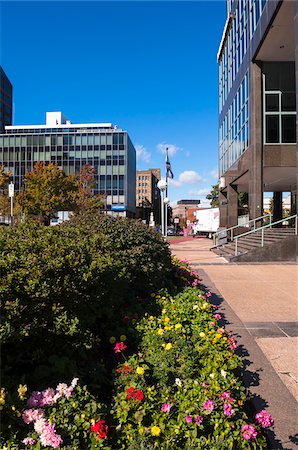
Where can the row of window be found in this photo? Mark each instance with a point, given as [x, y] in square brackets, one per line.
[69, 140]
[246, 17]
[95, 130]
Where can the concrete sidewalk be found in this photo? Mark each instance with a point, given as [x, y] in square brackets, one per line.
[259, 304]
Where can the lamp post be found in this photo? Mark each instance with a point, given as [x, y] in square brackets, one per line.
[166, 201]
[162, 185]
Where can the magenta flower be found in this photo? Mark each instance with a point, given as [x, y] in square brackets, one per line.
[217, 316]
[120, 347]
[264, 418]
[29, 441]
[208, 294]
[228, 409]
[48, 397]
[198, 420]
[188, 419]
[248, 432]
[49, 438]
[35, 400]
[166, 407]
[208, 405]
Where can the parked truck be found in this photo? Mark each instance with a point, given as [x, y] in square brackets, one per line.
[207, 222]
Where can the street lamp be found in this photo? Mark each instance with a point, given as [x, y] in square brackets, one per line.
[166, 201]
[162, 185]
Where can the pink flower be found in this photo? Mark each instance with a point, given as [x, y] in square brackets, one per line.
[68, 392]
[228, 409]
[40, 425]
[49, 438]
[166, 407]
[214, 306]
[119, 347]
[205, 385]
[27, 416]
[208, 294]
[217, 316]
[195, 282]
[225, 396]
[232, 343]
[209, 405]
[248, 432]
[61, 388]
[264, 418]
[188, 419]
[198, 420]
[29, 441]
[221, 330]
[48, 397]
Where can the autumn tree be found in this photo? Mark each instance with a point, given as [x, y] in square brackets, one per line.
[4, 199]
[86, 200]
[48, 190]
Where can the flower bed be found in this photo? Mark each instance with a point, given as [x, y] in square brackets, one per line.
[180, 388]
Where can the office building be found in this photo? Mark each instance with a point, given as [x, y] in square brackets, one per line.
[258, 106]
[108, 149]
[148, 194]
[5, 101]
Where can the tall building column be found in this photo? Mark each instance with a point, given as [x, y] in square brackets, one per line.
[223, 209]
[255, 194]
[277, 206]
[232, 206]
[293, 204]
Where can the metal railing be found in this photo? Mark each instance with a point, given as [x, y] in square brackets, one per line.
[269, 225]
[231, 229]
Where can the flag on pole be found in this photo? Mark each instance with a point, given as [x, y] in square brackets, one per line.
[169, 173]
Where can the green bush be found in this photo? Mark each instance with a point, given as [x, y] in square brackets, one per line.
[65, 289]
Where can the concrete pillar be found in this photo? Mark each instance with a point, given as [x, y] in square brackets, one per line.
[255, 192]
[277, 206]
[232, 198]
[223, 209]
[293, 204]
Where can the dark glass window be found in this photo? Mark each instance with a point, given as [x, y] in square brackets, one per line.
[288, 126]
[272, 102]
[272, 129]
[288, 101]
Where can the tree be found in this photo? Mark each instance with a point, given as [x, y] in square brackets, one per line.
[4, 200]
[85, 198]
[213, 196]
[48, 190]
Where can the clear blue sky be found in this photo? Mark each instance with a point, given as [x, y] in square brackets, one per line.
[149, 67]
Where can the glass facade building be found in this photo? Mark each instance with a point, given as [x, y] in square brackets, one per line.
[257, 102]
[108, 149]
[5, 100]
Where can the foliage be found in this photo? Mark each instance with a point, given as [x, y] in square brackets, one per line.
[65, 288]
[4, 199]
[213, 196]
[48, 190]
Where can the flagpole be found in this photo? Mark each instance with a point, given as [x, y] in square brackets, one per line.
[166, 205]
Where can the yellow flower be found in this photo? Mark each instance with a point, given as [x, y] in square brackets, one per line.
[141, 430]
[205, 305]
[2, 396]
[22, 391]
[155, 431]
[168, 346]
[163, 298]
[178, 325]
[83, 416]
[112, 340]
[218, 336]
[123, 337]
[202, 334]
[195, 306]
[164, 311]
[168, 327]
[240, 402]
[160, 332]
[140, 370]
[167, 320]
[151, 318]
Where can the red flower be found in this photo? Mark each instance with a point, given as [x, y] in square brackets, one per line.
[124, 369]
[100, 428]
[134, 394]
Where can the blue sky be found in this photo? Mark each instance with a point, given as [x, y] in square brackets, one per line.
[149, 67]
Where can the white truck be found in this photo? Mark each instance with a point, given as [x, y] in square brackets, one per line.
[207, 222]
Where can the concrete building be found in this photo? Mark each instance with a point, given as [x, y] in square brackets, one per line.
[5, 101]
[148, 194]
[258, 106]
[108, 149]
[181, 208]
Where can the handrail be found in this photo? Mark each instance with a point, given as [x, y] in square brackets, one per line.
[271, 224]
[243, 225]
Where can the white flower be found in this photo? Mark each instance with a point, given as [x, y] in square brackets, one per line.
[178, 382]
[118, 427]
[195, 306]
[74, 382]
[40, 425]
[212, 375]
[223, 373]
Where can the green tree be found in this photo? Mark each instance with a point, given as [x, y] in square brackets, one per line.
[213, 196]
[4, 200]
[48, 190]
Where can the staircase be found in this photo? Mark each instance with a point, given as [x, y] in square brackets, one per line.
[266, 244]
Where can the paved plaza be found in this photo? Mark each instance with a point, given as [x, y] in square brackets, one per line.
[259, 304]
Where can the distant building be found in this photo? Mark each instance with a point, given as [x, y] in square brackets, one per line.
[148, 194]
[5, 101]
[257, 106]
[108, 149]
[183, 206]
